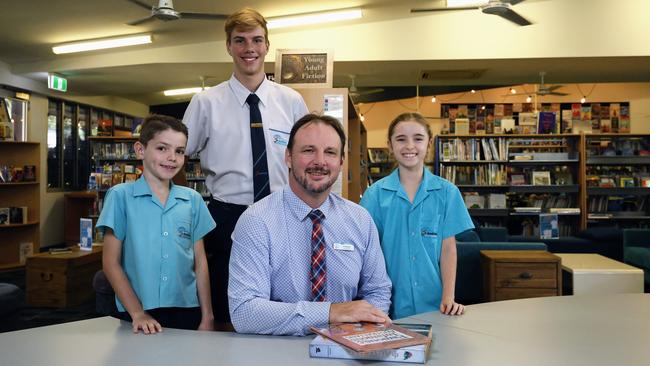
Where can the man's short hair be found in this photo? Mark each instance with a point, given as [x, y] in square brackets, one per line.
[315, 118]
[245, 20]
[157, 123]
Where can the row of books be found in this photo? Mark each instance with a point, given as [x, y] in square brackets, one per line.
[15, 173]
[540, 177]
[613, 181]
[627, 203]
[113, 174]
[629, 146]
[113, 150]
[486, 174]
[475, 200]
[105, 125]
[13, 215]
[474, 149]
[545, 201]
[193, 170]
[520, 118]
[546, 227]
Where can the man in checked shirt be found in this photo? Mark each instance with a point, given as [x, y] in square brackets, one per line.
[304, 256]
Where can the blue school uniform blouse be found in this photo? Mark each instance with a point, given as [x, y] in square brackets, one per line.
[411, 237]
[157, 241]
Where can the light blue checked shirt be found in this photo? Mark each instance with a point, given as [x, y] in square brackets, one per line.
[269, 289]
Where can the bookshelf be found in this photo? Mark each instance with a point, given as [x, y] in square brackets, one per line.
[380, 163]
[509, 180]
[20, 239]
[617, 180]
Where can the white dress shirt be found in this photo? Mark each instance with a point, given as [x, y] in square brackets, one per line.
[218, 121]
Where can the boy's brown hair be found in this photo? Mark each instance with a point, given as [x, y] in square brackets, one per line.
[245, 19]
[157, 123]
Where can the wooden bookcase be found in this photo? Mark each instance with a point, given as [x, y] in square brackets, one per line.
[20, 194]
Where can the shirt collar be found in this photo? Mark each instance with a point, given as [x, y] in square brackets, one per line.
[141, 188]
[241, 93]
[300, 209]
[429, 181]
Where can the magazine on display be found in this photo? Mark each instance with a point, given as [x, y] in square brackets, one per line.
[323, 347]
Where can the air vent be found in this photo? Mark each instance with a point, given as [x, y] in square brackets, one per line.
[451, 74]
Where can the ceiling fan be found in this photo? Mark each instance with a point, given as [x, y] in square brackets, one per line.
[502, 8]
[543, 89]
[354, 92]
[165, 11]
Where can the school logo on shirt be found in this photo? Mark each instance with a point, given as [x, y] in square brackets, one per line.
[183, 235]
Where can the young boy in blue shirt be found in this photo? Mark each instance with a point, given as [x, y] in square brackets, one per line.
[153, 238]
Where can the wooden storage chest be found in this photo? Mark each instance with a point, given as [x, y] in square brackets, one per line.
[62, 280]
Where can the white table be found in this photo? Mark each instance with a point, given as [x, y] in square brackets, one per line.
[596, 274]
[561, 330]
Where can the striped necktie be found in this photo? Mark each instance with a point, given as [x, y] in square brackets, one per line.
[318, 268]
[261, 186]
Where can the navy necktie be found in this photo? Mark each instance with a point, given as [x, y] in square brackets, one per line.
[261, 186]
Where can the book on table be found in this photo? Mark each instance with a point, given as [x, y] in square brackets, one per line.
[399, 342]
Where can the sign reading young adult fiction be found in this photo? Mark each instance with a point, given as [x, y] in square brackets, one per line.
[304, 68]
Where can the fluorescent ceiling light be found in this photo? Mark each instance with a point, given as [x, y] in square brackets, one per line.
[463, 3]
[99, 44]
[172, 92]
[315, 18]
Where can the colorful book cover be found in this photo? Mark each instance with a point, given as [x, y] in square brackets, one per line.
[499, 110]
[321, 347]
[576, 109]
[546, 123]
[508, 110]
[367, 337]
[548, 226]
[585, 112]
[85, 234]
[462, 126]
[624, 121]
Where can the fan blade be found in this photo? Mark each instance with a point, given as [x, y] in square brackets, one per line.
[557, 93]
[553, 87]
[141, 3]
[370, 91]
[426, 10]
[514, 2]
[191, 15]
[143, 20]
[512, 16]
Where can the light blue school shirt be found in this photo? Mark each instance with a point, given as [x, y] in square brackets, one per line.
[269, 289]
[411, 237]
[157, 241]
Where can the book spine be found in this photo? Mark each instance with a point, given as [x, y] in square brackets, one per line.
[391, 355]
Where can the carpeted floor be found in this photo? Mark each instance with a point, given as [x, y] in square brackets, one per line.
[30, 317]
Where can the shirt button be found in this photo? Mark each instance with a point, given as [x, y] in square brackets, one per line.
[165, 233]
[412, 233]
[166, 256]
[413, 257]
[415, 283]
[165, 278]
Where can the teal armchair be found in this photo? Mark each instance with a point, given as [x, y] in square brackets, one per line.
[636, 250]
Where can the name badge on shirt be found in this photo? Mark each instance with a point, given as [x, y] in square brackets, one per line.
[280, 138]
[344, 246]
[428, 233]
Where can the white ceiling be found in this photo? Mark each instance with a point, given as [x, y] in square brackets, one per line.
[572, 40]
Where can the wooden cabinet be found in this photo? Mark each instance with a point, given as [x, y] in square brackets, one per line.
[518, 274]
[19, 239]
